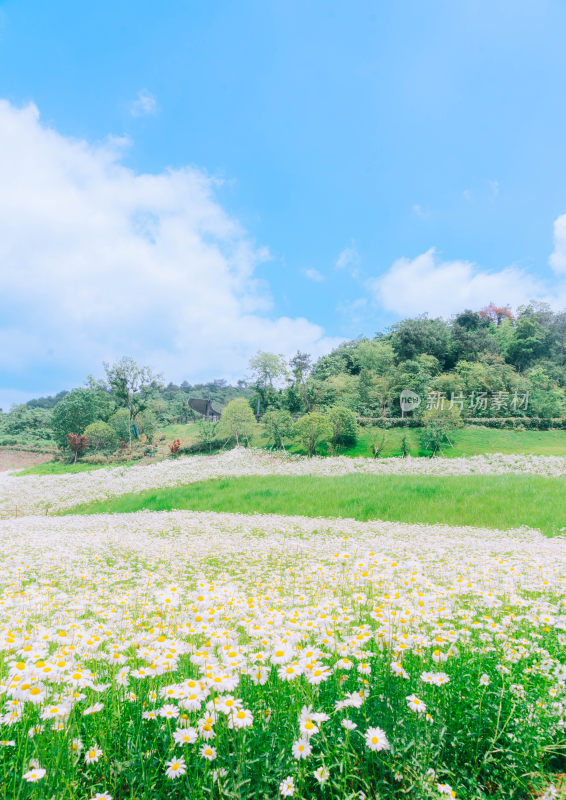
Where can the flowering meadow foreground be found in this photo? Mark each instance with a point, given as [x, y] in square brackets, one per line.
[182, 654]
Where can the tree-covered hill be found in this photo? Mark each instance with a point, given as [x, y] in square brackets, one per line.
[488, 364]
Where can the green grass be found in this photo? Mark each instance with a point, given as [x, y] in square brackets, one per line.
[470, 441]
[60, 468]
[495, 501]
[181, 431]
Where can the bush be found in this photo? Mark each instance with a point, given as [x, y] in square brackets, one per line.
[440, 425]
[101, 437]
[119, 423]
[278, 426]
[344, 427]
[174, 447]
[312, 430]
[146, 423]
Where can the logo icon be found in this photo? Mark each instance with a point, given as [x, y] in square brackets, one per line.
[409, 401]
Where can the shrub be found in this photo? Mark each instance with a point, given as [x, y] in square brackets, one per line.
[440, 425]
[174, 447]
[206, 438]
[377, 446]
[278, 426]
[101, 437]
[312, 430]
[119, 423]
[146, 423]
[344, 427]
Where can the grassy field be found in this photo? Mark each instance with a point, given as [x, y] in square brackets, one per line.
[501, 501]
[470, 441]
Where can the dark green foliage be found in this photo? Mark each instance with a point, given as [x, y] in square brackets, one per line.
[279, 427]
[27, 426]
[312, 430]
[344, 427]
[73, 414]
[423, 336]
[146, 423]
[530, 341]
[119, 422]
[101, 437]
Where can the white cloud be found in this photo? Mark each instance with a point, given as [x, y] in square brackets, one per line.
[348, 257]
[426, 284]
[494, 188]
[97, 261]
[144, 104]
[314, 275]
[421, 212]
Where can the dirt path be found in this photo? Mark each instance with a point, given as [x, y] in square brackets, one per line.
[20, 459]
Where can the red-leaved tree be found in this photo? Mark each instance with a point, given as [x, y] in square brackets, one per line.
[77, 444]
[174, 447]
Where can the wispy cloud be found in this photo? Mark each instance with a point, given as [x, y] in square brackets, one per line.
[314, 275]
[348, 257]
[494, 188]
[144, 105]
[421, 212]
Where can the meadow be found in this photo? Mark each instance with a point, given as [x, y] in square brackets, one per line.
[156, 655]
[494, 501]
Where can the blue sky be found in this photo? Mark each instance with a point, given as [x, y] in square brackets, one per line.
[321, 170]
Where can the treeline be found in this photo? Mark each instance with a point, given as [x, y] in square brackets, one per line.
[45, 422]
[487, 365]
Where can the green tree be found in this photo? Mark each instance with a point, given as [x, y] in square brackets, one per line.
[375, 355]
[546, 399]
[237, 420]
[132, 387]
[146, 423]
[530, 341]
[27, 425]
[344, 427]
[267, 369]
[279, 427]
[119, 422]
[72, 415]
[301, 366]
[101, 437]
[440, 425]
[423, 336]
[312, 430]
